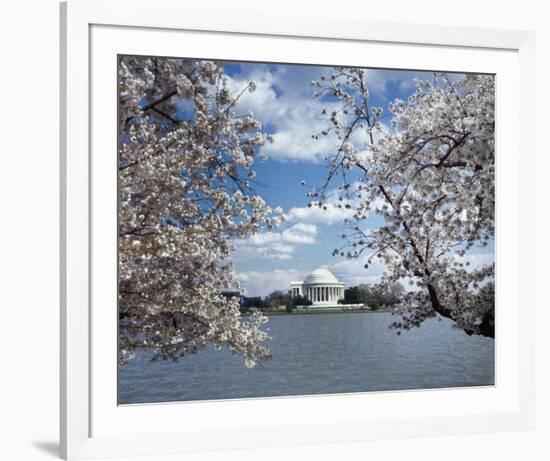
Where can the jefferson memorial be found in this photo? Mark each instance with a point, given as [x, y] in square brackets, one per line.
[321, 287]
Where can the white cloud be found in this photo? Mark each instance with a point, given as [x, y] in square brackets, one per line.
[261, 99]
[258, 283]
[275, 245]
[296, 121]
[353, 272]
[294, 113]
[300, 233]
[284, 100]
[475, 261]
[317, 215]
[381, 81]
[333, 210]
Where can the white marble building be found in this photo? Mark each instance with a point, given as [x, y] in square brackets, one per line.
[321, 287]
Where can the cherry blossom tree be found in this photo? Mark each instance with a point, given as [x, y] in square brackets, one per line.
[428, 169]
[185, 168]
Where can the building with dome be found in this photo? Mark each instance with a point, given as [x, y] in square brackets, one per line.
[321, 287]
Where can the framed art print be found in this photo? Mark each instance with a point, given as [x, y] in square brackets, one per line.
[281, 231]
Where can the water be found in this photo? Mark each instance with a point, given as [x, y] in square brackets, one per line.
[321, 354]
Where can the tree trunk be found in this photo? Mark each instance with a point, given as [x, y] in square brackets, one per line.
[487, 326]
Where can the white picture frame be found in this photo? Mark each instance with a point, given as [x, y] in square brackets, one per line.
[91, 424]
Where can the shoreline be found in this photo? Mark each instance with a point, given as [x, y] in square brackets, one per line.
[323, 311]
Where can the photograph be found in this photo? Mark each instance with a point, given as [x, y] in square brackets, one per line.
[290, 229]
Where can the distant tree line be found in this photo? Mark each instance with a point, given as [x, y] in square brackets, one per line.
[374, 296]
[276, 300]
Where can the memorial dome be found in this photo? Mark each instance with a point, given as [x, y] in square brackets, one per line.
[320, 275]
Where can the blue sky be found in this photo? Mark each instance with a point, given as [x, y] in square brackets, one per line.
[284, 103]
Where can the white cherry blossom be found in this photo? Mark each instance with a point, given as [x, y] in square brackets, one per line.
[184, 155]
[431, 175]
